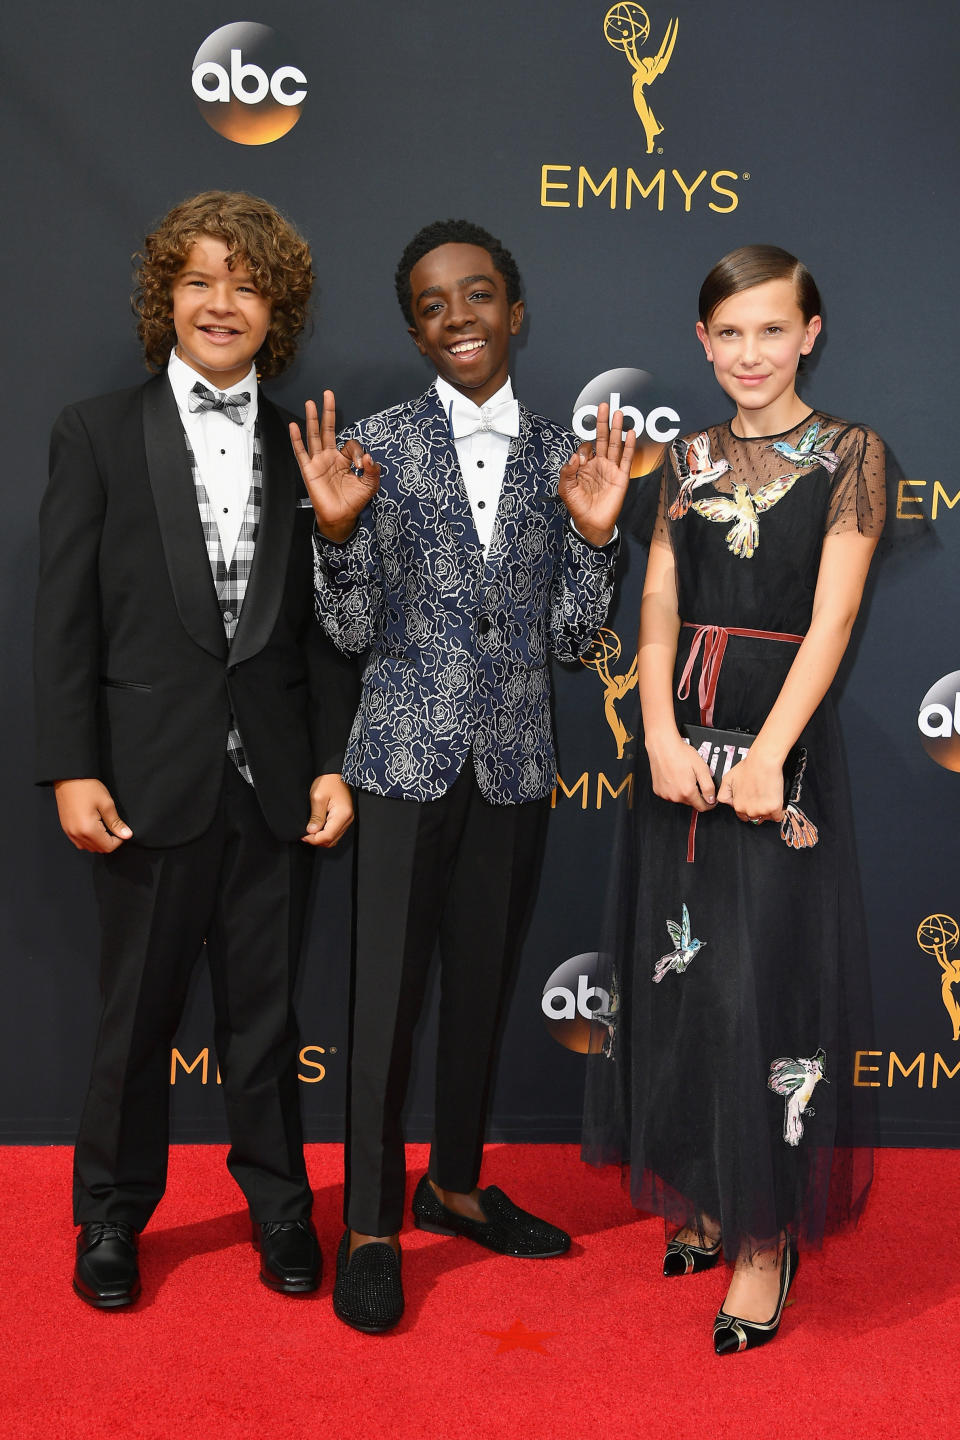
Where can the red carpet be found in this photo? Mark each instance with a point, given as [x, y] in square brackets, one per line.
[595, 1343]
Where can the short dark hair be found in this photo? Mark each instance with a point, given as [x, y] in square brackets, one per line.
[259, 237]
[455, 232]
[754, 265]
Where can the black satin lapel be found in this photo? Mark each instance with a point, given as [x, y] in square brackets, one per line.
[268, 573]
[175, 499]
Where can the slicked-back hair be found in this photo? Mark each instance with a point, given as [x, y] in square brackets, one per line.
[257, 236]
[754, 265]
[455, 232]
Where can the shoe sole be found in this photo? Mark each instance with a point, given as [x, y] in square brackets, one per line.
[290, 1287]
[433, 1229]
[366, 1329]
[106, 1302]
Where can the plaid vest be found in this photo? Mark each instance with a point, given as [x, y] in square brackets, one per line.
[231, 580]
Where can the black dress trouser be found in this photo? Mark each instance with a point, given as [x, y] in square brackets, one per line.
[460, 871]
[244, 892]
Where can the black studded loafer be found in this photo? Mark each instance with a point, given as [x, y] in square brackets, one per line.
[508, 1230]
[368, 1293]
[106, 1273]
[289, 1255]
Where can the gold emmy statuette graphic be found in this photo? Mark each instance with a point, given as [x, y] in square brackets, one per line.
[935, 936]
[603, 651]
[627, 27]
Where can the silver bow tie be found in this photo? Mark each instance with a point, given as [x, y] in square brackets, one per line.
[235, 407]
[503, 418]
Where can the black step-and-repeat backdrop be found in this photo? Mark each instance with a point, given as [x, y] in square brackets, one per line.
[619, 151]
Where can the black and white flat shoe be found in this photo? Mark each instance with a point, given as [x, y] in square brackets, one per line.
[731, 1334]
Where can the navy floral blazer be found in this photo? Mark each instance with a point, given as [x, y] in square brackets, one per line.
[458, 644]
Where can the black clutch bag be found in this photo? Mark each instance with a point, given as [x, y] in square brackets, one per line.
[722, 749]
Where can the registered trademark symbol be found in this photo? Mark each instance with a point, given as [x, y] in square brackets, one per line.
[332, 1050]
[659, 149]
[746, 174]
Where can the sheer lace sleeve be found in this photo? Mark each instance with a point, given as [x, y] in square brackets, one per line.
[666, 485]
[858, 492]
[640, 517]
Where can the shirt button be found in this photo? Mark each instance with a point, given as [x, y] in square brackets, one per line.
[481, 504]
[228, 614]
[223, 452]
[225, 510]
[479, 464]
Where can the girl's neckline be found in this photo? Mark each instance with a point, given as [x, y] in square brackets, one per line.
[748, 439]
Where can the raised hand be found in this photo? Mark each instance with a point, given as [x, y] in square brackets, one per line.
[340, 482]
[593, 483]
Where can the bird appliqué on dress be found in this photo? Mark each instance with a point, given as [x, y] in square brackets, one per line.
[684, 948]
[742, 508]
[796, 1081]
[695, 467]
[810, 451]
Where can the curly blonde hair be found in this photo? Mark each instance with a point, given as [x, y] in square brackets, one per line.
[259, 237]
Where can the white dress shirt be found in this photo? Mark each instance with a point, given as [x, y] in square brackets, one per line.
[222, 449]
[483, 458]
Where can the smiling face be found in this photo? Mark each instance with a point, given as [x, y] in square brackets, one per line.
[220, 317]
[754, 340]
[462, 318]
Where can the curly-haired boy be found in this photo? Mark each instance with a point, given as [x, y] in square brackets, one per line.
[191, 719]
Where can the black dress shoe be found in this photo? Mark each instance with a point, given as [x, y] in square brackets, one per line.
[508, 1230]
[289, 1255]
[106, 1273]
[731, 1334]
[368, 1293]
[682, 1258]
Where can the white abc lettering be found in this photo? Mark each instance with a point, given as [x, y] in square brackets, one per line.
[559, 1002]
[580, 418]
[936, 721]
[239, 73]
[655, 427]
[663, 412]
[567, 1008]
[287, 97]
[630, 412]
[249, 83]
[587, 992]
[210, 69]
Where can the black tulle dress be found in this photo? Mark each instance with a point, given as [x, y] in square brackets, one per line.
[737, 962]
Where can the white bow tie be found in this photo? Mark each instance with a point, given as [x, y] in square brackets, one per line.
[467, 419]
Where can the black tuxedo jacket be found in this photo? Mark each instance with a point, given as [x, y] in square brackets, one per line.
[135, 678]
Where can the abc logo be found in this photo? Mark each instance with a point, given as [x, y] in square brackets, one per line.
[244, 88]
[939, 722]
[642, 401]
[570, 1002]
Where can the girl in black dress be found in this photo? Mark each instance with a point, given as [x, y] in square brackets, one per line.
[739, 968]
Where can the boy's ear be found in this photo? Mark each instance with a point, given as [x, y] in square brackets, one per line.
[516, 316]
[414, 334]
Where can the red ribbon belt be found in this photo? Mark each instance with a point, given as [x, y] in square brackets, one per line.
[712, 640]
